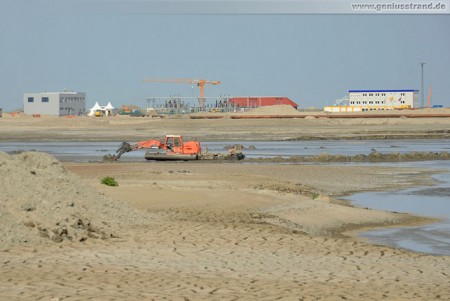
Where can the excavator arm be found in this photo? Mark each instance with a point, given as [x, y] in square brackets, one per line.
[126, 147]
[148, 144]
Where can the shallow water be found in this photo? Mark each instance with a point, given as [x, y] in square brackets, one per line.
[343, 147]
[94, 151]
[425, 201]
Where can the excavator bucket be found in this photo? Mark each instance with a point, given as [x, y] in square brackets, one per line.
[125, 147]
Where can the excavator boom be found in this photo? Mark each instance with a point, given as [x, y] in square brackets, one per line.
[148, 144]
[126, 147]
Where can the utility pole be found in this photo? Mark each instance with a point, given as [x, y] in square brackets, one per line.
[422, 104]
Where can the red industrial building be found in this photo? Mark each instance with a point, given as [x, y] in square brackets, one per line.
[261, 101]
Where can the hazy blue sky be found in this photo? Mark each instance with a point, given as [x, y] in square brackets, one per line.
[313, 59]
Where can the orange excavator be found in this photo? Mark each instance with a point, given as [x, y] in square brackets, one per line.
[173, 148]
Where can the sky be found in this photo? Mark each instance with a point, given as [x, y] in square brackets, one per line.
[313, 59]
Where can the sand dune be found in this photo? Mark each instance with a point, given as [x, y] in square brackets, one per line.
[215, 238]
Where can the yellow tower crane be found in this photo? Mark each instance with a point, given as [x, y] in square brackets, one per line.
[199, 82]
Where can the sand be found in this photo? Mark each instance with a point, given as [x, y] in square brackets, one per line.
[200, 231]
[126, 128]
[41, 202]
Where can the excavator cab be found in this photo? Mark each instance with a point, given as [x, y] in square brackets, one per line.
[174, 143]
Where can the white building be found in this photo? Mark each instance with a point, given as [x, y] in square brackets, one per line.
[54, 103]
[384, 99]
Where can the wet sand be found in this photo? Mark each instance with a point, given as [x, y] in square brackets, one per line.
[229, 231]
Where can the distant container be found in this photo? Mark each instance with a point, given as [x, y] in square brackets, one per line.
[261, 101]
[437, 106]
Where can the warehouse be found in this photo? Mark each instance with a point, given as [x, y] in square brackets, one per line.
[389, 99]
[261, 101]
[54, 103]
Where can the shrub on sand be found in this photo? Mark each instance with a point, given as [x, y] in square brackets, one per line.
[109, 181]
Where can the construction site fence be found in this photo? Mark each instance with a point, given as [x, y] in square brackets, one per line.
[213, 109]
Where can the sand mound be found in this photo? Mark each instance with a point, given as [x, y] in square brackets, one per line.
[41, 202]
[274, 110]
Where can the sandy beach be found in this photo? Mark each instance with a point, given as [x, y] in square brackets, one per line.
[205, 230]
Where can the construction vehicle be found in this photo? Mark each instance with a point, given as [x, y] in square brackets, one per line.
[173, 149]
[199, 82]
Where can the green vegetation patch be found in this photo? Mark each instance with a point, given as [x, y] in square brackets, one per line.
[109, 181]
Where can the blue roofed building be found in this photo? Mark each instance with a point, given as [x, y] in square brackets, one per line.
[387, 99]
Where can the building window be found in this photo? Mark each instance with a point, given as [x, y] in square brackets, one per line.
[30, 99]
[44, 99]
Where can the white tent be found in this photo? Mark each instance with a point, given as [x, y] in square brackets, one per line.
[109, 106]
[109, 109]
[104, 110]
[95, 108]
